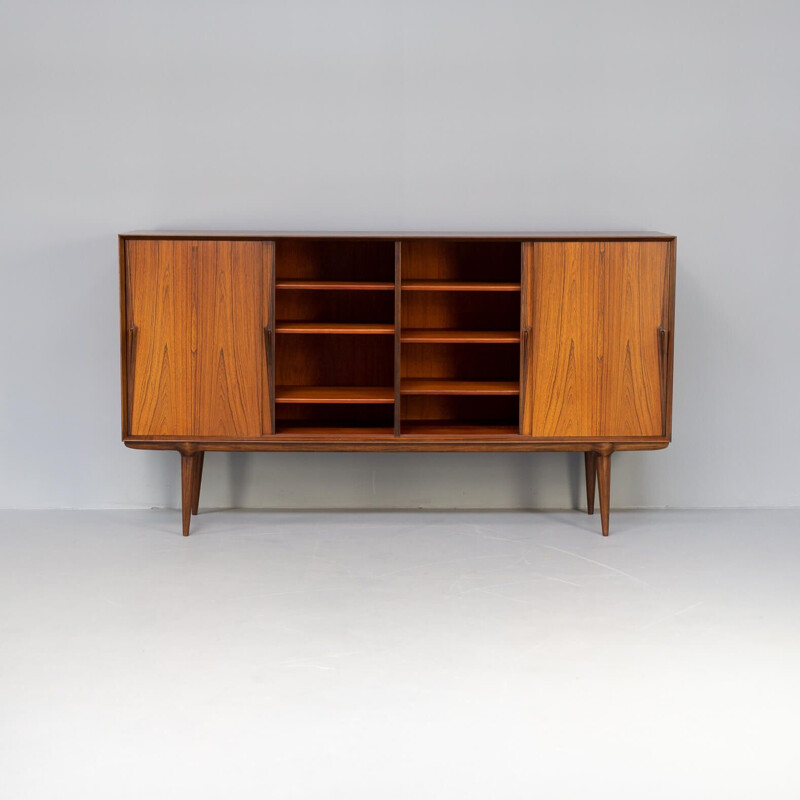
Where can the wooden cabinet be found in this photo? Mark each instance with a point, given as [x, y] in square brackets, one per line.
[407, 342]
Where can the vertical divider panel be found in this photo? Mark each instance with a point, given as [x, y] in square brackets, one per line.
[526, 317]
[398, 295]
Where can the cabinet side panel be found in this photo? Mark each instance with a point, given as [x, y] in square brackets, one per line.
[160, 369]
[231, 352]
[632, 391]
[564, 300]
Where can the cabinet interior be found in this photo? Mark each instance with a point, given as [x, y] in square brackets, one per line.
[347, 361]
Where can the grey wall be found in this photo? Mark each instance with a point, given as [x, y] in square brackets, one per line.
[676, 116]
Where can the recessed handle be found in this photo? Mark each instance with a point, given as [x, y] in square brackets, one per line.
[132, 331]
[268, 345]
[663, 340]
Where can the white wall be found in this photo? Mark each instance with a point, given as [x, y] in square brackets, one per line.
[675, 116]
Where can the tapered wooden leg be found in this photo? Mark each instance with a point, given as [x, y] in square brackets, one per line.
[187, 489]
[603, 462]
[591, 479]
[198, 477]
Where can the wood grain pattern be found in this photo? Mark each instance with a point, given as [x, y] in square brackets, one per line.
[231, 358]
[198, 310]
[161, 374]
[594, 310]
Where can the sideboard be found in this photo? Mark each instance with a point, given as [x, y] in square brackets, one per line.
[397, 342]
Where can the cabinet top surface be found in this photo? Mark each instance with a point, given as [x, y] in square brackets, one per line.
[392, 235]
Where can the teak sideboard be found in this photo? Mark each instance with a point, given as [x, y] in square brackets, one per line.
[397, 342]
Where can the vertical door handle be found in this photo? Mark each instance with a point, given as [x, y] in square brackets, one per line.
[132, 331]
[269, 348]
[663, 340]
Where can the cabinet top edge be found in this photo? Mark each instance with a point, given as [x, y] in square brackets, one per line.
[391, 235]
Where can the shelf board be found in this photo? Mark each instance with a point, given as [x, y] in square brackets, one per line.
[441, 336]
[457, 429]
[334, 394]
[458, 286]
[426, 386]
[297, 428]
[335, 285]
[334, 327]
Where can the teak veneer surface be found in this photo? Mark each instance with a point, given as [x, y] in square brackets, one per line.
[196, 313]
[397, 342]
[594, 311]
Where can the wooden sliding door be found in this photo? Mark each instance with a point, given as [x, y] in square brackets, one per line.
[197, 312]
[596, 316]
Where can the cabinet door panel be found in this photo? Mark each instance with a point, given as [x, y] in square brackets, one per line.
[564, 361]
[232, 387]
[594, 310]
[635, 285]
[160, 368]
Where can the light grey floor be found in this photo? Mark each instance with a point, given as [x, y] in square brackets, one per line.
[399, 655]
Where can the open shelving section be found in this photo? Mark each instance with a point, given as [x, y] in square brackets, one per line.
[335, 331]
[419, 337]
[459, 338]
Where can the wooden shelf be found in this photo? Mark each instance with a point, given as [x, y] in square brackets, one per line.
[334, 327]
[437, 335]
[459, 286]
[456, 429]
[301, 428]
[334, 394]
[427, 386]
[335, 285]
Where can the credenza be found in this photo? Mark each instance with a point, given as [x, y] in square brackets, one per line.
[397, 342]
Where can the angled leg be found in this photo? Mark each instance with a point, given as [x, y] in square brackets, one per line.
[591, 479]
[603, 462]
[188, 469]
[198, 477]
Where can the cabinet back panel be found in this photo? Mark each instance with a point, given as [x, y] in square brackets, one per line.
[461, 310]
[456, 409]
[474, 362]
[334, 306]
[334, 260]
[460, 261]
[334, 360]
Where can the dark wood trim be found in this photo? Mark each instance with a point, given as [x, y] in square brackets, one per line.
[398, 350]
[524, 335]
[270, 316]
[670, 328]
[396, 444]
[565, 236]
[123, 338]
